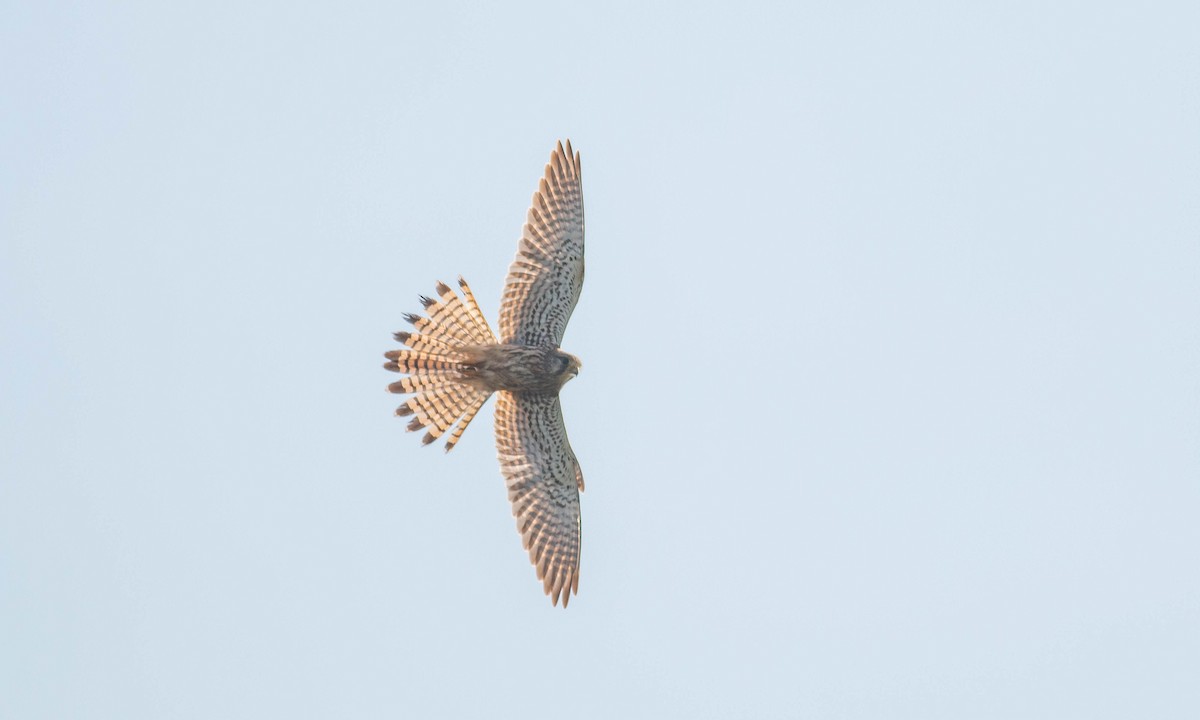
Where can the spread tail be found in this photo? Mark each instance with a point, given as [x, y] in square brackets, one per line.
[443, 401]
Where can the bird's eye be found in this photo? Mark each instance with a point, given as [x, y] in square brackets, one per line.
[560, 364]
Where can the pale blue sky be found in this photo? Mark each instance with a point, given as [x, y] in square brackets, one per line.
[891, 359]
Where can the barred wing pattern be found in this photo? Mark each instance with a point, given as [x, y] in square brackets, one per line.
[544, 480]
[545, 278]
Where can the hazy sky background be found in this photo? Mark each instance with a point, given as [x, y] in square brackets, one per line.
[890, 336]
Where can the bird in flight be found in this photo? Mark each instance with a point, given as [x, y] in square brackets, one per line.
[453, 363]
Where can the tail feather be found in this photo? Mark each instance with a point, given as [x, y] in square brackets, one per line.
[473, 311]
[429, 343]
[421, 383]
[439, 407]
[464, 421]
[450, 310]
[448, 333]
[416, 362]
[444, 403]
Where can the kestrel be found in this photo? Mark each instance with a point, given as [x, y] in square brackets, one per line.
[454, 364]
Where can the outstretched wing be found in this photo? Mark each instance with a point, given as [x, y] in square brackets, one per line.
[544, 481]
[545, 278]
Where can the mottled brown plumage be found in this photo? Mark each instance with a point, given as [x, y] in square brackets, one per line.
[454, 363]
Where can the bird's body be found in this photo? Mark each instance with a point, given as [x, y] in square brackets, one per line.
[454, 363]
[518, 368]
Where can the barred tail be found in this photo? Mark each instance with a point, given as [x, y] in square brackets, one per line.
[443, 402]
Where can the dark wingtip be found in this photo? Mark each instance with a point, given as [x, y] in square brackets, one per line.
[404, 410]
[427, 301]
[393, 366]
[411, 318]
[428, 438]
[415, 425]
[442, 288]
[402, 337]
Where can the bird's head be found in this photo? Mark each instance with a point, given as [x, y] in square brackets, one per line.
[566, 366]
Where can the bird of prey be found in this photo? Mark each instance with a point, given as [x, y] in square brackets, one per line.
[454, 363]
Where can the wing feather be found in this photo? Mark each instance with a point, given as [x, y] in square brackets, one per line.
[546, 276]
[543, 479]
